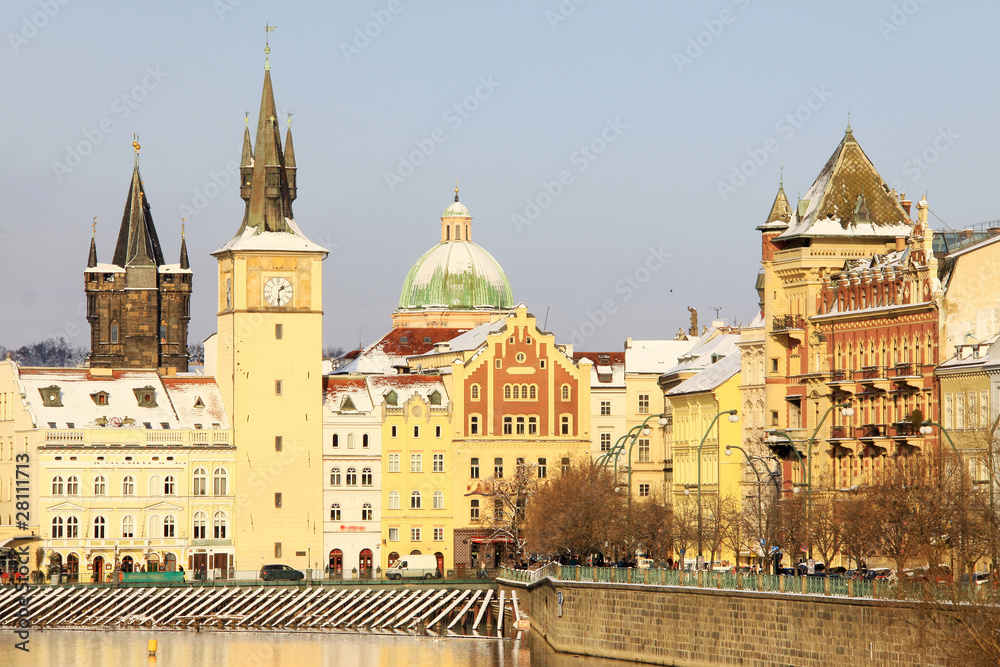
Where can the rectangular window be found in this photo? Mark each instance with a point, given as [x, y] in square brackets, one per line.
[644, 490]
[643, 450]
[114, 333]
[393, 431]
[498, 509]
[473, 425]
[542, 468]
[774, 364]
[394, 534]
[437, 431]
[439, 534]
[416, 431]
[277, 549]
[414, 534]
[565, 464]
[520, 425]
[438, 503]
[393, 462]
[643, 404]
[498, 364]
[532, 425]
[277, 500]
[605, 442]
[277, 443]
[163, 333]
[474, 511]
[508, 426]
[474, 468]
[774, 417]
[541, 363]
[278, 332]
[277, 387]
[498, 466]
[605, 407]
[794, 414]
[439, 463]
[949, 410]
[416, 464]
[959, 411]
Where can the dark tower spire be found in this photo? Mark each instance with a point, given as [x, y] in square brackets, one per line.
[184, 250]
[137, 242]
[290, 168]
[92, 260]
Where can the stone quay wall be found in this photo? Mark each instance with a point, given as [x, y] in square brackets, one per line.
[688, 627]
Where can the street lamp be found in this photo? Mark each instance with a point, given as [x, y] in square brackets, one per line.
[645, 430]
[774, 477]
[733, 418]
[927, 429]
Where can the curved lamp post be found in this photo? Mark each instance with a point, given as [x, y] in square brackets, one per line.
[773, 475]
[733, 417]
[926, 429]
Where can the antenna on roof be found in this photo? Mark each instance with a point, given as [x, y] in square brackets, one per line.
[716, 309]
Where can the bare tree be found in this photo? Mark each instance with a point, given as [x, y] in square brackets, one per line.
[826, 527]
[651, 527]
[861, 522]
[511, 496]
[719, 514]
[791, 529]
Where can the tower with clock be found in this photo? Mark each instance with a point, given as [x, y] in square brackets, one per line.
[269, 357]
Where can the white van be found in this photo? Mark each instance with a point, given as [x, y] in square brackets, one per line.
[414, 567]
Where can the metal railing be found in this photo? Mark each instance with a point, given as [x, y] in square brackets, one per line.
[830, 586]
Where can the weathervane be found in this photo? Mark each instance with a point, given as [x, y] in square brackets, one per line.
[93, 227]
[267, 46]
[182, 228]
[289, 114]
[135, 143]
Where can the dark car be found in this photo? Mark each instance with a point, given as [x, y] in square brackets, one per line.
[280, 572]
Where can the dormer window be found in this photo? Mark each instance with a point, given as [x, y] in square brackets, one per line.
[198, 403]
[347, 405]
[404, 339]
[165, 425]
[391, 398]
[100, 397]
[435, 397]
[51, 396]
[146, 396]
[427, 339]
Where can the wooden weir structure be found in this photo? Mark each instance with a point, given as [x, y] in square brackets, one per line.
[431, 609]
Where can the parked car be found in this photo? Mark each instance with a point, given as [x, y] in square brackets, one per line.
[279, 572]
[414, 567]
[978, 578]
[644, 563]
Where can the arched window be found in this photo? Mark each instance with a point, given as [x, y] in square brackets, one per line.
[155, 487]
[335, 512]
[128, 526]
[447, 233]
[564, 425]
[200, 482]
[394, 500]
[169, 523]
[128, 485]
[474, 425]
[415, 500]
[517, 392]
[366, 477]
[57, 528]
[200, 521]
[520, 425]
[220, 525]
[57, 485]
[533, 391]
[169, 485]
[99, 527]
[72, 527]
[366, 512]
[220, 481]
[335, 477]
[154, 527]
[364, 441]
[350, 441]
[532, 425]
[506, 391]
[336, 440]
[352, 477]
[458, 233]
[73, 485]
[439, 500]
[100, 485]
[508, 425]
[474, 392]
[565, 392]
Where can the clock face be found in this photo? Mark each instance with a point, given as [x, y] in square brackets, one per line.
[278, 291]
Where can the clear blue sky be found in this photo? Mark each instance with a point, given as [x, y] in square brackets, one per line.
[682, 93]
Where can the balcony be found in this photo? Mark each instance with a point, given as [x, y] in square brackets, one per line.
[841, 379]
[904, 430]
[874, 377]
[790, 326]
[872, 432]
[907, 376]
[841, 433]
[136, 437]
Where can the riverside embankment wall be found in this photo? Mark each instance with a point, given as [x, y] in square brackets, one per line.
[687, 627]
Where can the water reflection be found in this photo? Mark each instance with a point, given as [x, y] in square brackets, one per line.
[74, 648]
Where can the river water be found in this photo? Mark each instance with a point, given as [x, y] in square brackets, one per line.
[127, 648]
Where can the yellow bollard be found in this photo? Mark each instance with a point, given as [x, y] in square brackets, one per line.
[151, 646]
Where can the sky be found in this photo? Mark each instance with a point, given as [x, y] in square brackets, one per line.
[616, 156]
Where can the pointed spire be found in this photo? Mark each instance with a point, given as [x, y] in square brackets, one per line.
[137, 244]
[184, 250]
[781, 211]
[246, 160]
[92, 260]
[289, 151]
[848, 133]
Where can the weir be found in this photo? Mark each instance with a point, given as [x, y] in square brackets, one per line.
[406, 608]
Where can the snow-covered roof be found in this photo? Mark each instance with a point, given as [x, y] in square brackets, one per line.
[251, 239]
[103, 267]
[346, 394]
[177, 402]
[405, 387]
[654, 356]
[473, 338]
[392, 350]
[709, 378]
[706, 350]
[173, 268]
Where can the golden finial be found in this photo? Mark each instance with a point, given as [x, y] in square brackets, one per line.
[93, 227]
[246, 118]
[456, 189]
[267, 46]
[272, 119]
[135, 143]
[289, 114]
[182, 228]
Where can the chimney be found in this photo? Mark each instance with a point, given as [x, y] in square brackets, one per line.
[900, 243]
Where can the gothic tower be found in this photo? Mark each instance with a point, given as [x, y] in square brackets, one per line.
[138, 305]
[269, 357]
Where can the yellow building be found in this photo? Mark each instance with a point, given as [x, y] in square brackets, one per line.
[125, 468]
[268, 357]
[418, 508]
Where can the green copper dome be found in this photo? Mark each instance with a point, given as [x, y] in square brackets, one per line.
[456, 275]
